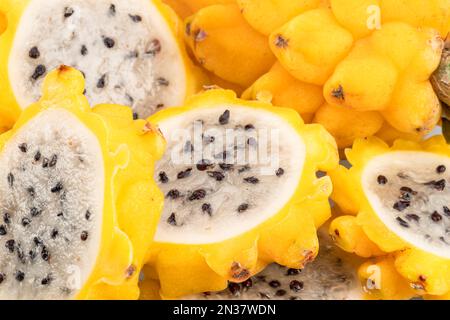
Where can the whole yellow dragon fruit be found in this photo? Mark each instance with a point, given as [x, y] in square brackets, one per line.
[369, 60]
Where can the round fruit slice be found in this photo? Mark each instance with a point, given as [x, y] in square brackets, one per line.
[400, 196]
[128, 51]
[241, 191]
[67, 193]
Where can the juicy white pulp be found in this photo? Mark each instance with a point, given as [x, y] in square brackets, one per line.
[264, 199]
[79, 170]
[131, 72]
[413, 223]
[331, 276]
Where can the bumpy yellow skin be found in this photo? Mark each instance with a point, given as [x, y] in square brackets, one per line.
[360, 231]
[368, 55]
[225, 44]
[288, 238]
[186, 8]
[281, 89]
[129, 149]
[266, 16]
[10, 14]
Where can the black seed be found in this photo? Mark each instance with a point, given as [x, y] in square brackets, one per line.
[45, 162]
[296, 285]
[84, 235]
[23, 147]
[412, 217]
[34, 53]
[39, 72]
[101, 82]
[252, 180]
[31, 192]
[68, 12]
[219, 176]
[84, 50]
[54, 233]
[292, 272]
[173, 194]
[130, 98]
[209, 139]
[172, 220]
[408, 190]
[184, 174]
[281, 42]
[10, 180]
[7, 218]
[135, 18]
[45, 254]
[252, 142]
[275, 284]
[2, 277]
[109, 43]
[436, 217]
[243, 207]
[163, 178]
[37, 156]
[441, 169]
[225, 166]
[279, 172]
[225, 118]
[163, 82]
[154, 47]
[10, 245]
[247, 284]
[35, 212]
[37, 241]
[112, 10]
[338, 93]
[160, 105]
[197, 195]
[401, 205]
[2, 230]
[382, 180]
[26, 221]
[47, 280]
[20, 276]
[53, 161]
[244, 169]
[234, 288]
[446, 211]
[20, 254]
[32, 254]
[438, 185]
[402, 222]
[280, 293]
[249, 127]
[59, 186]
[60, 215]
[204, 165]
[135, 116]
[206, 208]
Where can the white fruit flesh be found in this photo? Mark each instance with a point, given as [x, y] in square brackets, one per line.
[331, 276]
[143, 69]
[420, 217]
[235, 205]
[66, 220]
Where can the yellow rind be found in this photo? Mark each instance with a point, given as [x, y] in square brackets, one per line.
[425, 272]
[288, 238]
[12, 10]
[122, 246]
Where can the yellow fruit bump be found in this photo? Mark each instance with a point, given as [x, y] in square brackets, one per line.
[383, 220]
[132, 201]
